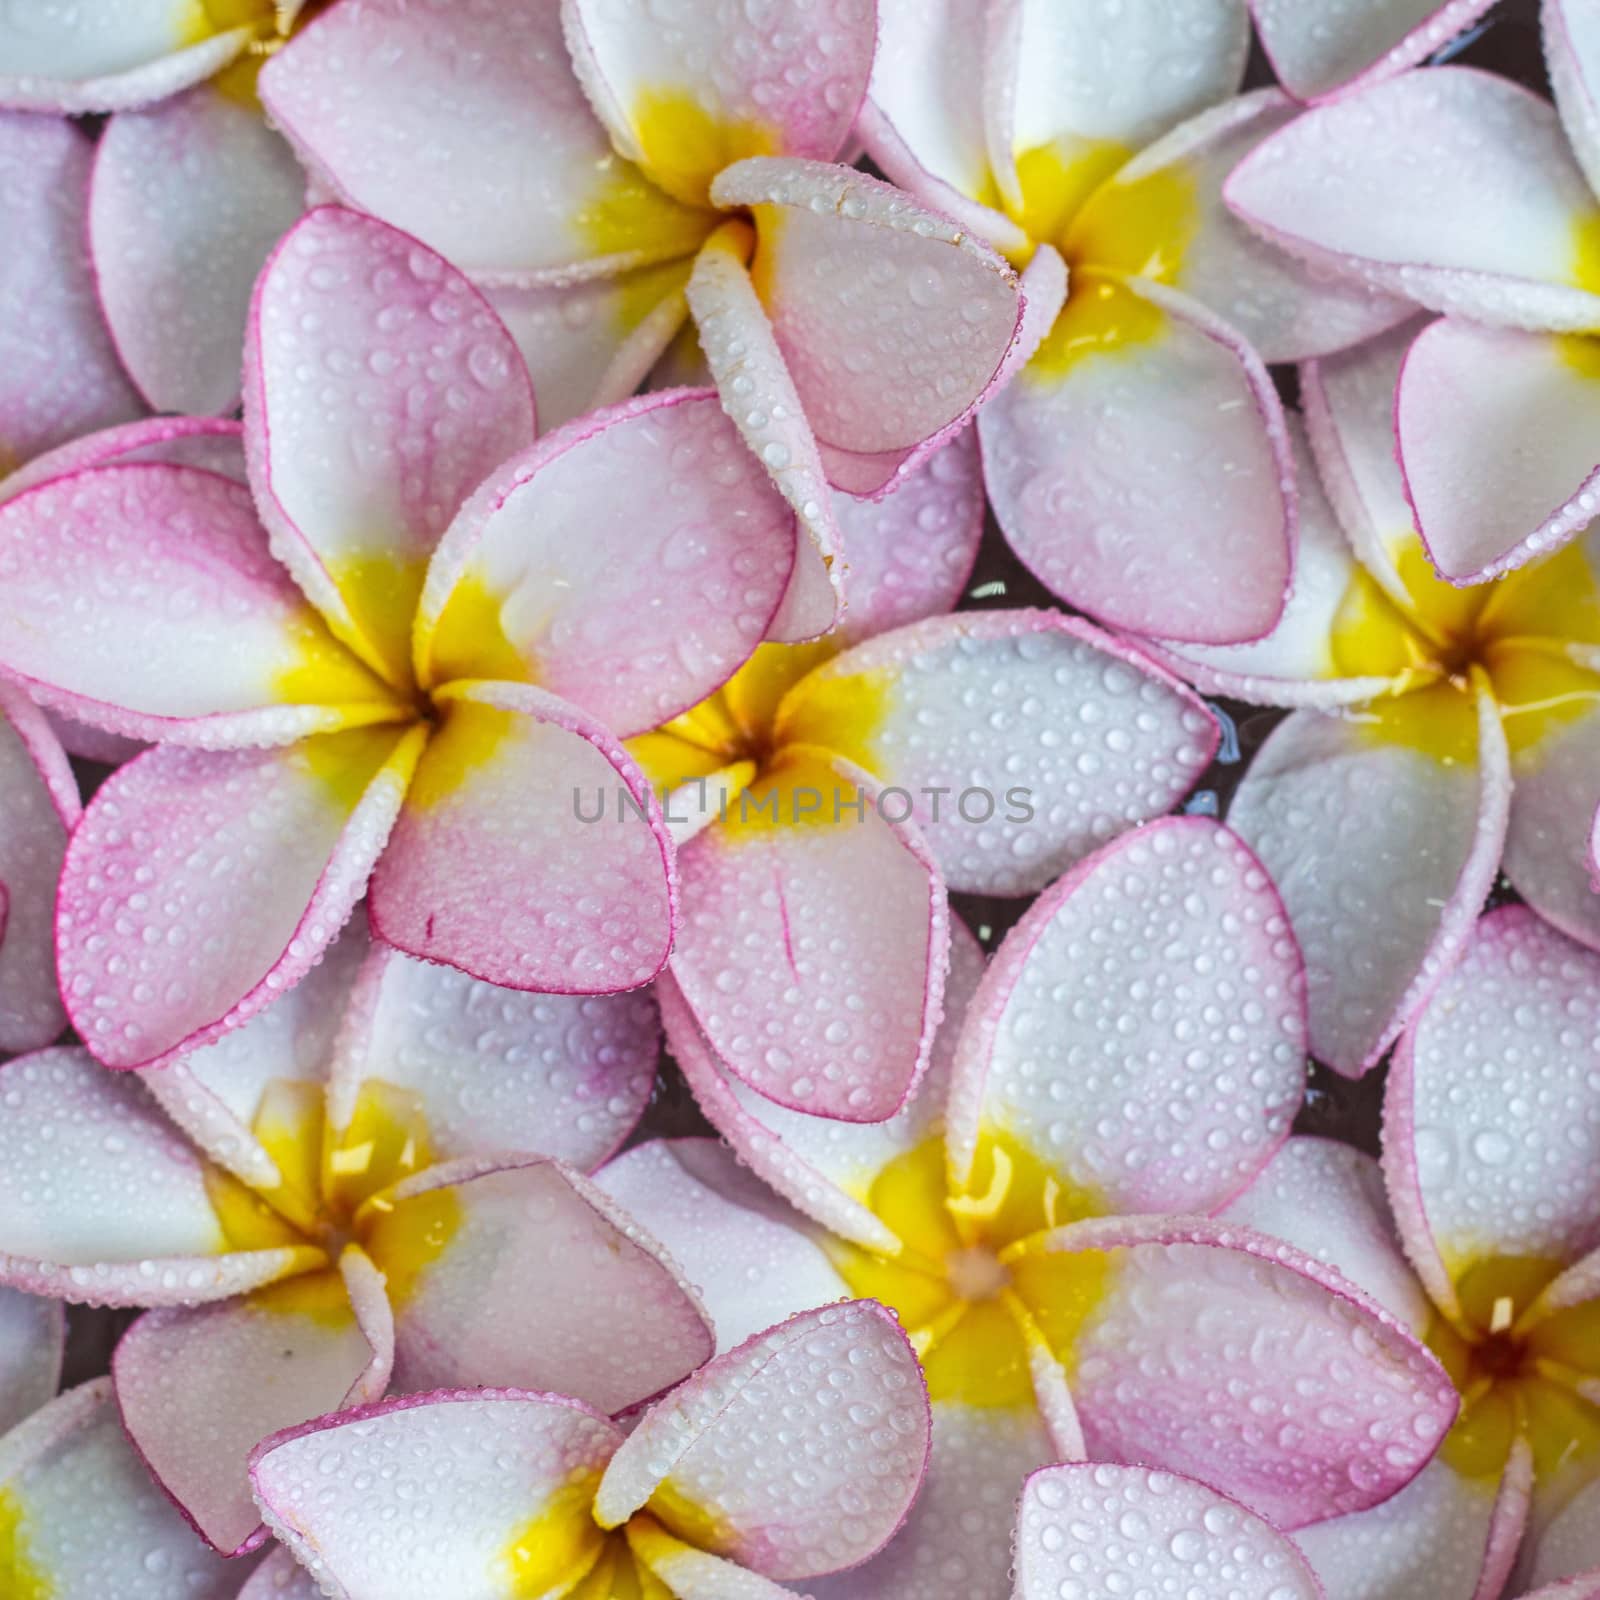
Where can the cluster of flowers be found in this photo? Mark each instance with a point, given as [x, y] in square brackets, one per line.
[489, 484]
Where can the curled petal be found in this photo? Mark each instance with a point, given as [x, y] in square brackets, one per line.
[1572, 57]
[214, 443]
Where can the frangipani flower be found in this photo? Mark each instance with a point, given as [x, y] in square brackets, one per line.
[377, 1184]
[190, 187]
[1135, 1051]
[848, 328]
[1460, 190]
[1088, 1529]
[1492, 1164]
[795, 1454]
[447, 664]
[1442, 733]
[986, 752]
[1138, 464]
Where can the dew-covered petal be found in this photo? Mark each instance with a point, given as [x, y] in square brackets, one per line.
[472, 1492]
[1572, 58]
[1096, 1524]
[214, 443]
[141, 597]
[530, 851]
[1326, 1406]
[592, 1306]
[813, 945]
[892, 320]
[1570, 1547]
[629, 563]
[280, 1577]
[38, 805]
[101, 1200]
[60, 56]
[33, 1333]
[496, 1069]
[687, 93]
[1020, 739]
[1327, 1199]
[380, 390]
[1453, 187]
[200, 1387]
[1491, 1115]
[824, 1493]
[1317, 54]
[468, 128]
[188, 198]
[1384, 851]
[1140, 468]
[1141, 1032]
[83, 1518]
[59, 373]
[202, 883]
[1496, 433]
[824, 1166]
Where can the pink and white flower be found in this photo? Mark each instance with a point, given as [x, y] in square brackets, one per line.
[1037, 1216]
[1475, 197]
[795, 1454]
[380, 1182]
[1439, 734]
[403, 675]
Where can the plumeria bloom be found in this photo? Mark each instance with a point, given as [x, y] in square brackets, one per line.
[1138, 464]
[1489, 214]
[1492, 1167]
[1087, 1529]
[845, 792]
[795, 1454]
[394, 667]
[604, 166]
[380, 1181]
[1035, 1215]
[190, 188]
[1441, 733]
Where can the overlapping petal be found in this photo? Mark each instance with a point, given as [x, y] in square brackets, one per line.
[33, 1333]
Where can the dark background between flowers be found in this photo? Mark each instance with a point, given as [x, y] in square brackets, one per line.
[1507, 42]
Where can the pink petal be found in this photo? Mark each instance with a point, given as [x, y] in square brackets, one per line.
[114, 1208]
[1383, 853]
[1572, 57]
[846, 264]
[828, 1491]
[187, 200]
[1074, 1058]
[1492, 1122]
[1317, 57]
[1093, 1524]
[1570, 1546]
[141, 597]
[1496, 434]
[687, 94]
[380, 390]
[73, 1455]
[497, 1069]
[59, 374]
[753, 1260]
[38, 805]
[1020, 739]
[200, 1388]
[468, 129]
[692, 1573]
[213, 443]
[1451, 186]
[33, 1333]
[758, 393]
[280, 1577]
[64, 59]
[825, 1167]
[1294, 664]
[812, 953]
[630, 563]
[221, 876]
[1173, 1294]
[1150, 483]
[428, 1494]
[499, 865]
[602, 1312]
